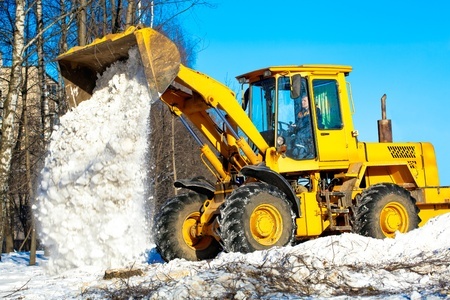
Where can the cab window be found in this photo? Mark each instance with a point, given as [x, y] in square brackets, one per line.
[327, 102]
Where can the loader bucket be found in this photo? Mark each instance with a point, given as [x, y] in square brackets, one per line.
[80, 65]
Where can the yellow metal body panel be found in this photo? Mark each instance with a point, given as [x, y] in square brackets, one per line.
[311, 223]
[431, 174]
[435, 202]
[437, 194]
[401, 163]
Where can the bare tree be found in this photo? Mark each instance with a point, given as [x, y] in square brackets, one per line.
[131, 12]
[63, 36]
[114, 14]
[117, 20]
[9, 112]
[45, 120]
[82, 22]
[23, 147]
[105, 16]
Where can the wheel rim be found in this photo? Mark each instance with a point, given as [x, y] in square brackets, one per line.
[189, 233]
[394, 217]
[266, 224]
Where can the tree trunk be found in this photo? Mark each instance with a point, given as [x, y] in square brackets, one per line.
[9, 112]
[105, 17]
[117, 23]
[45, 122]
[113, 15]
[8, 225]
[63, 37]
[45, 111]
[82, 21]
[131, 12]
[29, 184]
[152, 13]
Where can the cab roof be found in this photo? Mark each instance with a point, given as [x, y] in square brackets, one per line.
[312, 69]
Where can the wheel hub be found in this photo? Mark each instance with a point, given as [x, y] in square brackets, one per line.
[393, 218]
[190, 233]
[266, 224]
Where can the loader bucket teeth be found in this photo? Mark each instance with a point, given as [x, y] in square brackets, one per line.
[80, 65]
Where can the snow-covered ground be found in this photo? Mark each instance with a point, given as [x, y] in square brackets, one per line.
[93, 203]
[411, 266]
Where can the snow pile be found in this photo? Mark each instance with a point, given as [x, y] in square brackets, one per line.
[414, 264]
[92, 192]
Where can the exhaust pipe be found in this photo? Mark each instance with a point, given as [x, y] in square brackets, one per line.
[384, 125]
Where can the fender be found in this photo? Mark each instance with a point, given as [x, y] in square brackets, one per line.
[264, 174]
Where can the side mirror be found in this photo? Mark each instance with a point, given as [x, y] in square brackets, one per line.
[296, 82]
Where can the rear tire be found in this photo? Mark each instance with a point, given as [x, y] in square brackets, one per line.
[173, 230]
[385, 209]
[256, 216]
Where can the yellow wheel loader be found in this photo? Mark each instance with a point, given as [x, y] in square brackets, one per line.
[287, 159]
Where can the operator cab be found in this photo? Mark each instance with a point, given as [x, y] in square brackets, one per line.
[296, 110]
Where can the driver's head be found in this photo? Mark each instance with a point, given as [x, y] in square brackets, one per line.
[305, 102]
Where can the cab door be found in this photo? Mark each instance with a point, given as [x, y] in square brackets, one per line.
[332, 144]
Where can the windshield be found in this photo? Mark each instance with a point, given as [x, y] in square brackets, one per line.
[276, 114]
[294, 120]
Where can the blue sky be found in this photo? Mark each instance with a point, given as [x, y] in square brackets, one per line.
[401, 48]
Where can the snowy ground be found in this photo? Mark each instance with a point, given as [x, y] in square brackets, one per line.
[411, 266]
[91, 211]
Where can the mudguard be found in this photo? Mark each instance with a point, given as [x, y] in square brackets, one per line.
[264, 174]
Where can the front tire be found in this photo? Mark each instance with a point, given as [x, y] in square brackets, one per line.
[385, 209]
[256, 216]
[174, 235]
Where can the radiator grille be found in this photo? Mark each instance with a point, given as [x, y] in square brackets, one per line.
[402, 151]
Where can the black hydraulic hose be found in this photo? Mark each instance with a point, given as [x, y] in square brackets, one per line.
[233, 132]
[197, 139]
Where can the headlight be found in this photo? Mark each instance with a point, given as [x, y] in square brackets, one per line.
[280, 141]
